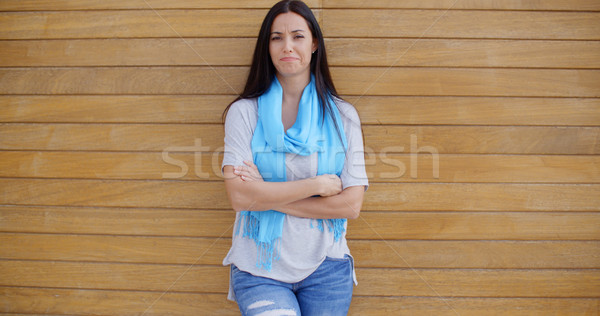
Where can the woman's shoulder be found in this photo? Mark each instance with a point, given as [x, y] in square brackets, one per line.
[347, 110]
[247, 108]
[244, 105]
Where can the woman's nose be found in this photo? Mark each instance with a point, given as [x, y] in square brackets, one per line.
[288, 46]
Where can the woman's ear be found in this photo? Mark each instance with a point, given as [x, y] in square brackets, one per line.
[315, 45]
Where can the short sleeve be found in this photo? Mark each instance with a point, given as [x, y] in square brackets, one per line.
[239, 127]
[354, 172]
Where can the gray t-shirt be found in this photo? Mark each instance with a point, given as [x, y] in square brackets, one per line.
[303, 246]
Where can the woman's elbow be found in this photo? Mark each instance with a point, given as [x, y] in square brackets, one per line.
[239, 202]
[244, 200]
[355, 202]
[355, 210]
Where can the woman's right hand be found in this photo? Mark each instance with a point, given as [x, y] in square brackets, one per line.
[329, 184]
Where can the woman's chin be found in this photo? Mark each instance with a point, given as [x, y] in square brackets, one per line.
[292, 72]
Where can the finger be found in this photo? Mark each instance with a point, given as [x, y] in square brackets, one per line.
[250, 163]
[238, 168]
[244, 173]
[247, 178]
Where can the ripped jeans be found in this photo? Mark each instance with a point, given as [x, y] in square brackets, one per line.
[327, 291]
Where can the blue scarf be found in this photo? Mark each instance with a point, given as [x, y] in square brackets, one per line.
[310, 133]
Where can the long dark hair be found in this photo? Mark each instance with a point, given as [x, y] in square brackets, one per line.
[262, 70]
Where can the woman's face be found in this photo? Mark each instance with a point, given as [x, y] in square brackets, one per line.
[291, 45]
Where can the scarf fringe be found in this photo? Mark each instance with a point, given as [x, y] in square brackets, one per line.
[334, 225]
[267, 251]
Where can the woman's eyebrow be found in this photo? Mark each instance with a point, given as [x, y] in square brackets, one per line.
[294, 31]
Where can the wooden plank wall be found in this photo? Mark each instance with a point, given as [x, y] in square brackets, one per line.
[103, 101]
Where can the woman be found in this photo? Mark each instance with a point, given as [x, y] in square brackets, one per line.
[294, 171]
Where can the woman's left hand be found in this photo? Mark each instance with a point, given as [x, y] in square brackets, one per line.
[249, 172]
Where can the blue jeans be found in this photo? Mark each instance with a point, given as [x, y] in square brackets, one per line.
[327, 291]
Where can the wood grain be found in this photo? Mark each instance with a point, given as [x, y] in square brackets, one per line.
[587, 5]
[86, 302]
[117, 221]
[476, 225]
[383, 52]
[431, 225]
[373, 110]
[335, 23]
[367, 253]
[388, 197]
[130, 24]
[467, 82]
[459, 24]
[34, 5]
[380, 282]
[123, 80]
[480, 283]
[424, 140]
[349, 81]
[114, 109]
[382, 167]
[477, 110]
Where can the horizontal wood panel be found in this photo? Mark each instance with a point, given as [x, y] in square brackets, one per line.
[380, 167]
[134, 23]
[135, 193]
[371, 225]
[466, 82]
[382, 282]
[479, 283]
[468, 226]
[442, 306]
[103, 302]
[372, 109]
[335, 23]
[123, 80]
[388, 139]
[127, 108]
[459, 24]
[349, 81]
[127, 52]
[393, 197]
[372, 253]
[34, 5]
[476, 110]
[119, 276]
[117, 221]
[483, 139]
[111, 137]
[462, 53]
[341, 52]
[86, 302]
[466, 4]
[475, 254]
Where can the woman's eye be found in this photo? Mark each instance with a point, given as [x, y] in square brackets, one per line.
[299, 36]
[275, 38]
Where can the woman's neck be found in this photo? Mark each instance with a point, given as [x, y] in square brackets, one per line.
[293, 87]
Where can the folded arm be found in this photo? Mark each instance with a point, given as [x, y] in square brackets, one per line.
[247, 191]
[346, 204]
